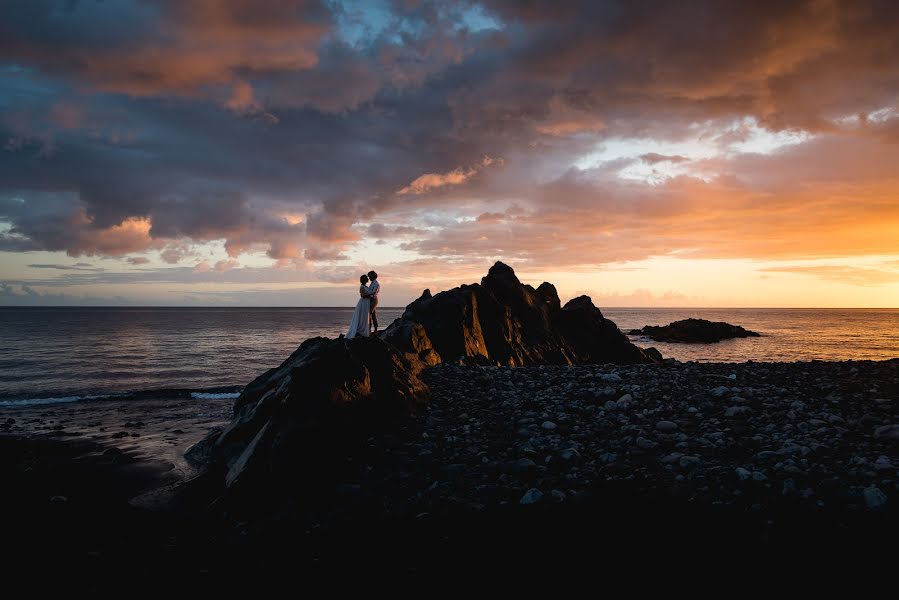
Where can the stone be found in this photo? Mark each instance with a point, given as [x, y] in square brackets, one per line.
[789, 487]
[883, 463]
[737, 411]
[532, 496]
[666, 426]
[719, 392]
[645, 444]
[742, 473]
[570, 454]
[523, 465]
[673, 458]
[874, 497]
[887, 432]
[549, 425]
[689, 462]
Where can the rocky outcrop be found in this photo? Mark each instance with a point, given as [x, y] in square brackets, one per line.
[694, 331]
[325, 393]
[504, 322]
[297, 425]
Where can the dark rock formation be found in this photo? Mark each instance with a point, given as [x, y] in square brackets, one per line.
[504, 322]
[300, 424]
[695, 331]
[290, 420]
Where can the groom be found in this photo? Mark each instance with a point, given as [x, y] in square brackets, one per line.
[373, 289]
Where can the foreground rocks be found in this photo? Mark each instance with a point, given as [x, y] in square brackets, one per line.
[504, 322]
[694, 331]
[746, 436]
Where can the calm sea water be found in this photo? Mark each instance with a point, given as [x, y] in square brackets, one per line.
[63, 354]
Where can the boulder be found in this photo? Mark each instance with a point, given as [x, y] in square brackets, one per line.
[327, 394]
[694, 331]
[504, 322]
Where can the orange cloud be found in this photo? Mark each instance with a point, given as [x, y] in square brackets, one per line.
[843, 273]
[130, 236]
[432, 181]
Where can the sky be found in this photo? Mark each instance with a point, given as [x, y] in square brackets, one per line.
[267, 152]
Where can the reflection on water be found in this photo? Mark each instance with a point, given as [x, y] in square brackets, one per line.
[788, 334]
[68, 351]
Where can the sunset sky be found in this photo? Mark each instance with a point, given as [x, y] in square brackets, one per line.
[267, 152]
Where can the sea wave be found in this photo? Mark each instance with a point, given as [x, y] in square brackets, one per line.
[39, 401]
[202, 394]
[214, 396]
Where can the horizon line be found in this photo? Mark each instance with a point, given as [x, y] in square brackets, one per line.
[403, 307]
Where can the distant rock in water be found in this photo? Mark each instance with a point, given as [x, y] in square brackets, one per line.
[694, 331]
[504, 322]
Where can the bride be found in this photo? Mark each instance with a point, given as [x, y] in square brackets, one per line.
[359, 324]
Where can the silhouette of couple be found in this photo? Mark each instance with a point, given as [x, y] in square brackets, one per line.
[366, 313]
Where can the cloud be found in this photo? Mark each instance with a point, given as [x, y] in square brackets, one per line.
[725, 129]
[645, 297]
[380, 231]
[431, 181]
[166, 47]
[74, 267]
[654, 157]
[225, 265]
[842, 273]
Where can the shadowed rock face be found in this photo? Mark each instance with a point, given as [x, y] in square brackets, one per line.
[502, 321]
[696, 331]
[327, 391]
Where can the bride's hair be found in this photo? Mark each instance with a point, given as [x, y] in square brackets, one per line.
[363, 280]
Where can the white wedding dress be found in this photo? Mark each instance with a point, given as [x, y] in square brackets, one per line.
[359, 324]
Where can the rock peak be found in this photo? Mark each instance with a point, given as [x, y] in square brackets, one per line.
[501, 273]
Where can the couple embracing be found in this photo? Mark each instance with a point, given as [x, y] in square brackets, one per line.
[367, 308]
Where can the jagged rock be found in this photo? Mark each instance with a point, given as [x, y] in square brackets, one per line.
[502, 321]
[694, 331]
[412, 340]
[325, 392]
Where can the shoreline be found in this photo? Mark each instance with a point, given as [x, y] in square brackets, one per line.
[614, 451]
[231, 392]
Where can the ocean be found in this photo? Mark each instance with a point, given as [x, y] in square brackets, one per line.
[57, 355]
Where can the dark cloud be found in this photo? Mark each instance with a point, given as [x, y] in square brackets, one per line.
[266, 125]
[74, 267]
[654, 157]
